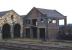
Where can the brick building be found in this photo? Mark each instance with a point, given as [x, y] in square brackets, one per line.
[42, 24]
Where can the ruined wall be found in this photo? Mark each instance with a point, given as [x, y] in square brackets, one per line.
[41, 23]
[8, 19]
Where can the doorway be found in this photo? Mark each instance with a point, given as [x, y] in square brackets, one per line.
[42, 33]
[34, 31]
[27, 32]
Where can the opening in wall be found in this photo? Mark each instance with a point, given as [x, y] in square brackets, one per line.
[42, 33]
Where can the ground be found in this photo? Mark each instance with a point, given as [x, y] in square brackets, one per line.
[61, 44]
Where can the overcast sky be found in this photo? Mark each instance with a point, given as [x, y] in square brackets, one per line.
[22, 7]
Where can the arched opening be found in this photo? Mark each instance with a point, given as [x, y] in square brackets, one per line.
[6, 31]
[17, 28]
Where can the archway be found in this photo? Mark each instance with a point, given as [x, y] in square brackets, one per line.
[6, 31]
[17, 28]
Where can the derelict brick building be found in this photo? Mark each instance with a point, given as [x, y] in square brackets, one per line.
[39, 23]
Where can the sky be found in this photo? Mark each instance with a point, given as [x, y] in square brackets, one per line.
[22, 7]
